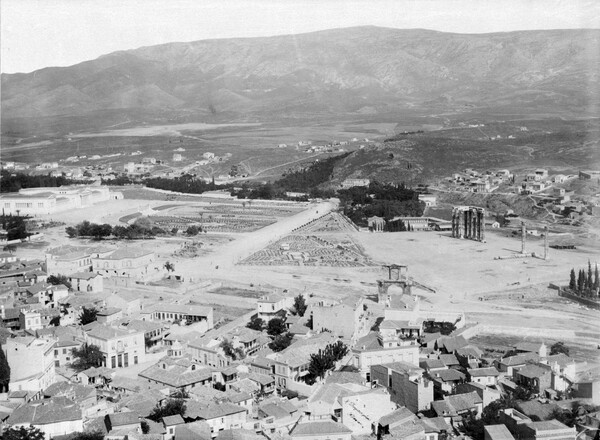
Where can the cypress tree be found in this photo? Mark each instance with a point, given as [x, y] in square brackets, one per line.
[4, 371]
[572, 280]
[596, 279]
[581, 281]
[590, 281]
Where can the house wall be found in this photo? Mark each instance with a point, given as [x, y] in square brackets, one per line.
[28, 205]
[365, 359]
[27, 361]
[95, 284]
[231, 421]
[588, 390]
[51, 430]
[127, 267]
[130, 349]
[55, 265]
[341, 320]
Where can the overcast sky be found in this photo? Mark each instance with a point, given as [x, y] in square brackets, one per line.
[42, 33]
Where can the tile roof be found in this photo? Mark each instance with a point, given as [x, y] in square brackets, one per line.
[274, 410]
[448, 375]
[237, 434]
[452, 343]
[533, 347]
[173, 420]
[44, 413]
[73, 391]
[561, 359]
[127, 252]
[177, 375]
[106, 332]
[449, 359]
[299, 352]
[431, 363]
[319, 428]
[194, 431]
[404, 367]
[435, 424]
[519, 359]
[483, 372]
[497, 432]
[533, 371]
[123, 418]
[455, 404]
[470, 350]
[262, 379]
[224, 409]
[398, 416]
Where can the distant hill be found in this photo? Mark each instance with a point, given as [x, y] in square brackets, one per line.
[362, 70]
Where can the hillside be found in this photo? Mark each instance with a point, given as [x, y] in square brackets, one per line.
[362, 70]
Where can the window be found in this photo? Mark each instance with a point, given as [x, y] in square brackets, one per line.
[57, 363]
[135, 359]
[55, 352]
[120, 360]
[64, 351]
[113, 362]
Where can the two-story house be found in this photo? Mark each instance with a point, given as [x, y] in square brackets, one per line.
[120, 347]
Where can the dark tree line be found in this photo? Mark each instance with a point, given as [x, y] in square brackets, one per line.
[585, 283]
[184, 184]
[13, 182]
[310, 177]
[381, 200]
[140, 229]
[15, 226]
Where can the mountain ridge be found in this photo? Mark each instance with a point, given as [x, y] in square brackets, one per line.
[328, 72]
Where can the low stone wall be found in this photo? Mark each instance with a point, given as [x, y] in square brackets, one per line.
[585, 301]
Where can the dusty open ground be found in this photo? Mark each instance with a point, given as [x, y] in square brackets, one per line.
[509, 298]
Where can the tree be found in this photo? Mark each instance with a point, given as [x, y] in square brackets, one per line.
[564, 416]
[56, 280]
[596, 279]
[4, 371]
[589, 282]
[22, 433]
[87, 315]
[523, 393]
[169, 266]
[89, 355]
[581, 282]
[559, 347]
[192, 230]
[100, 231]
[13, 247]
[145, 427]
[170, 408]
[256, 323]
[234, 353]
[309, 323]
[320, 363]
[281, 342]
[300, 305]
[93, 435]
[55, 321]
[276, 326]
[71, 231]
[337, 350]
[572, 280]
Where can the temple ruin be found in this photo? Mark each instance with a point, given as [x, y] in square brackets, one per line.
[468, 222]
